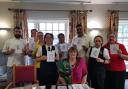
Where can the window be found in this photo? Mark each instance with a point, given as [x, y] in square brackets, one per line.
[51, 26]
[123, 35]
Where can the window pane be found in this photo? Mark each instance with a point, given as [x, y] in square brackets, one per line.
[120, 41]
[43, 32]
[125, 29]
[120, 35]
[48, 31]
[62, 32]
[42, 26]
[55, 26]
[120, 29]
[30, 26]
[125, 41]
[55, 33]
[55, 41]
[61, 26]
[48, 26]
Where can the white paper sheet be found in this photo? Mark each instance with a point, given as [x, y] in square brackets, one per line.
[61, 87]
[50, 56]
[95, 53]
[114, 48]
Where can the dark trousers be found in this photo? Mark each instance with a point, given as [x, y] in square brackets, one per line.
[47, 74]
[115, 79]
[97, 78]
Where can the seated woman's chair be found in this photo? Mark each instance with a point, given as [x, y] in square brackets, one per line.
[24, 75]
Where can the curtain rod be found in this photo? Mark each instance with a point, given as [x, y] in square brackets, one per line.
[119, 10]
[11, 9]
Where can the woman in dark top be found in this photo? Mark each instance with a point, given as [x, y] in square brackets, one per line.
[47, 55]
[98, 57]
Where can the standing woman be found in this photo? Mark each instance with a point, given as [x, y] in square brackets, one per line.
[97, 58]
[47, 55]
[72, 70]
[116, 69]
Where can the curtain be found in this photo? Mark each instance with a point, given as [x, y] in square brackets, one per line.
[20, 20]
[77, 17]
[113, 19]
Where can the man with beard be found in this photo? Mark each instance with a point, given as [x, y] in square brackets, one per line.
[81, 41]
[15, 49]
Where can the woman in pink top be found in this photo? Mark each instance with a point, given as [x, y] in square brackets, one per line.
[72, 70]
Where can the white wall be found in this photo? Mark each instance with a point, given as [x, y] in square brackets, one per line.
[98, 14]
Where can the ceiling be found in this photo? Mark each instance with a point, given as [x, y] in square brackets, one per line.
[71, 1]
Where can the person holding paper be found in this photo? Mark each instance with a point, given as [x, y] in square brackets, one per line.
[81, 41]
[72, 70]
[15, 49]
[47, 55]
[97, 58]
[116, 69]
[62, 46]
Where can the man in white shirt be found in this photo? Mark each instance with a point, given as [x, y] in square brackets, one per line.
[15, 49]
[81, 41]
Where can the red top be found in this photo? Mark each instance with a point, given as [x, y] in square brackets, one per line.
[116, 63]
[79, 72]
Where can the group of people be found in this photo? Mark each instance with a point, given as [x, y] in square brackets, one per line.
[100, 66]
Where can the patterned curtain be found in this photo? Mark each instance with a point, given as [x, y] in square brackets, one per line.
[20, 20]
[113, 19]
[77, 17]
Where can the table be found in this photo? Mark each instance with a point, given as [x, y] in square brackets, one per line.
[73, 86]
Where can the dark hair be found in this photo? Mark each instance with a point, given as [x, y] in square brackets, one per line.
[33, 30]
[49, 34]
[99, 37]
[78, 25]
[18, 28]
[60, 35]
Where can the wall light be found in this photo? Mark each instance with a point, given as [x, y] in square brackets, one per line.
[94, 24]
[3, 25]
[94, 32]
[4, 32]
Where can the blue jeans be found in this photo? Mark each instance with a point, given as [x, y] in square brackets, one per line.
[9, 74]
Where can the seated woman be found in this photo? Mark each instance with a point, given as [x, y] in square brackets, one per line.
[73, 69]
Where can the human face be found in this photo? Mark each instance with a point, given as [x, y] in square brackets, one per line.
[33, 33]
[112, 38]
[79, 31]
[17, 33]
[98, 41]
[72, 54]
[61, 39]
[40, 35]
[48, 39]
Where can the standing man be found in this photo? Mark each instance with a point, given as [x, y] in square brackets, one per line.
[81, 41]
[14, 48]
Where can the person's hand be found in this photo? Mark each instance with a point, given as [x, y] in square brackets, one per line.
[61, 80]
[99, 60]
[83, 82]
[119, 52]
[11, 50]
[44, 58]
[84, 48]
